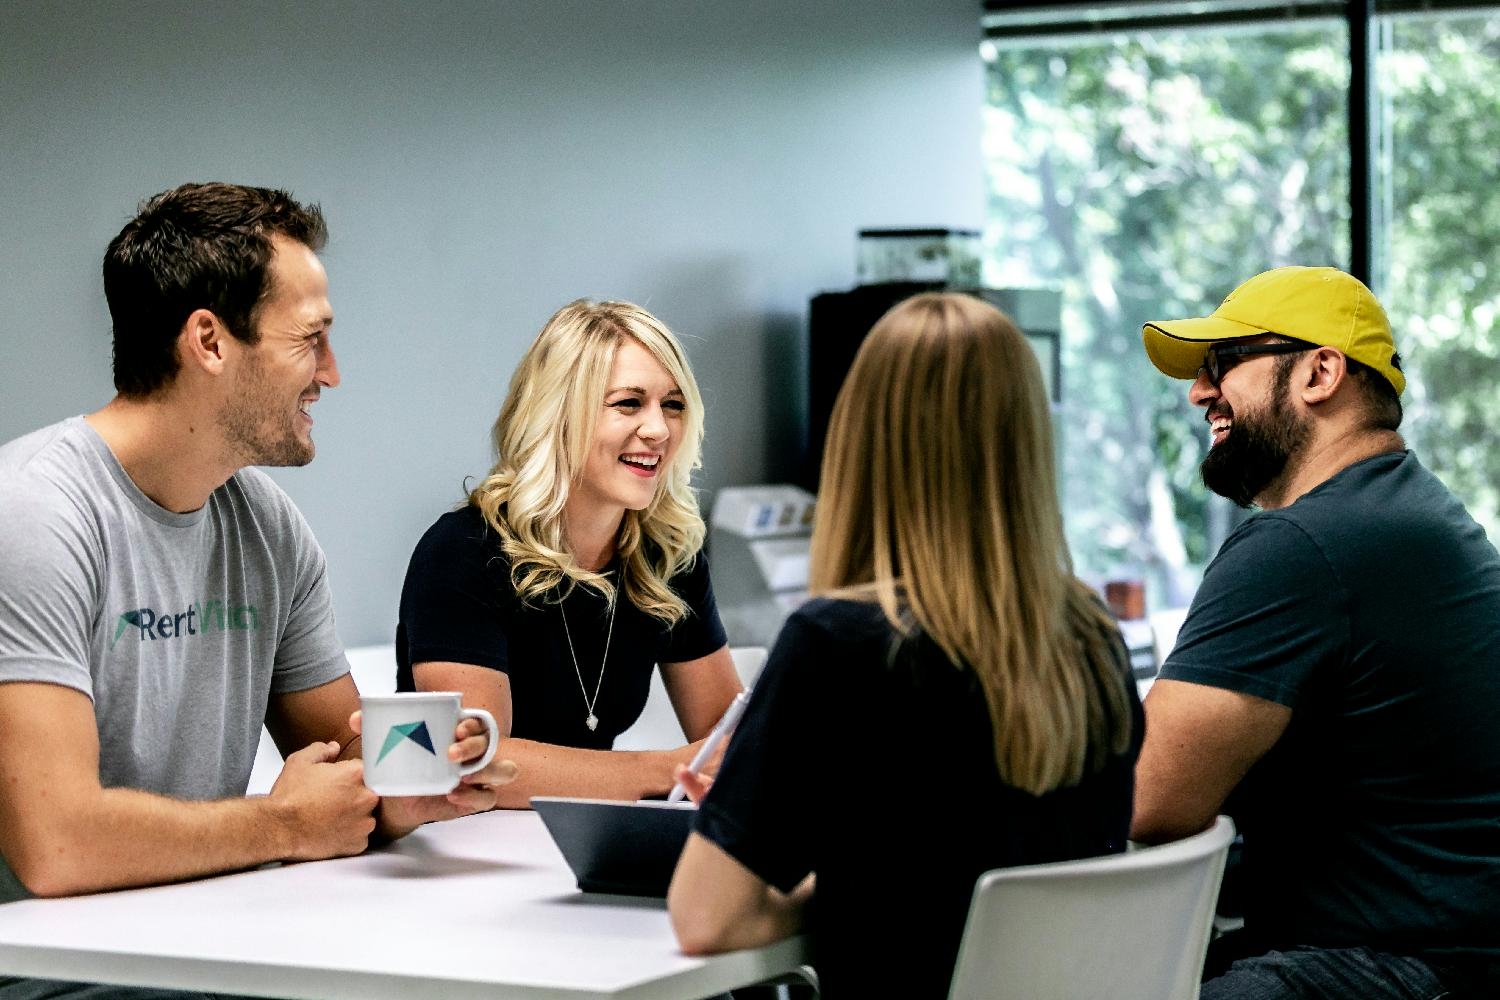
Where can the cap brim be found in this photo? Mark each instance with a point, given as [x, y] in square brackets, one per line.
[1177, 346]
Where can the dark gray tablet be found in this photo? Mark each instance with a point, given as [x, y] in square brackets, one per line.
[626, 848]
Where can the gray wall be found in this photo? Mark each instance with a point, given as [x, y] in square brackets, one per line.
[480, 165]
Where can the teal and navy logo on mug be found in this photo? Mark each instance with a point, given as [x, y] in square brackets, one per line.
[416, 732]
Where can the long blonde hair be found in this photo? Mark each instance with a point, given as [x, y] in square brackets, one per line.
[938, 500]
[542, 439]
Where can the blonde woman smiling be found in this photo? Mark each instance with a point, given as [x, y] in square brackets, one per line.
[973, 696]
[576, 567]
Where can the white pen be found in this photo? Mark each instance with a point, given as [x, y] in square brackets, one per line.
[724, 728]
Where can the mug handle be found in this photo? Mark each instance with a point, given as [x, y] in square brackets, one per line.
[494, 730]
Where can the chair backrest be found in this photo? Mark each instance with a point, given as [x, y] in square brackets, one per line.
[373, 668]
[1130, 926]
[1165, 625]
[747, 662]
[658, 728]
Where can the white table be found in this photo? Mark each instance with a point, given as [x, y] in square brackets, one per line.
[477, 907]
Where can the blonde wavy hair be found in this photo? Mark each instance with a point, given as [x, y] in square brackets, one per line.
[938, 500]
[542, 440]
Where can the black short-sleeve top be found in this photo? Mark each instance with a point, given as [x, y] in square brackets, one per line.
[1370, 607]
[458, 605]
[868, 757]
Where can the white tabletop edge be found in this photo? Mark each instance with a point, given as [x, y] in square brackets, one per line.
[725, 973]
[503, 867]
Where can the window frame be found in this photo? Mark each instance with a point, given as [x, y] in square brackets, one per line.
[1032, 21]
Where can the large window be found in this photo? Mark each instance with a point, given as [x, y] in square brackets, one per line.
[1145, 172]
[1438, 260]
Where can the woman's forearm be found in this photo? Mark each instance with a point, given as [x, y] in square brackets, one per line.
[547, 769]
[717, 904]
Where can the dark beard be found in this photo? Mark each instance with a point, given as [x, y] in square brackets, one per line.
[1257, 448]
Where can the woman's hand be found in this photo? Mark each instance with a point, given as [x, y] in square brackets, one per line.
[696, 784]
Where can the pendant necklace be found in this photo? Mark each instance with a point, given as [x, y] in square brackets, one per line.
[593, 720]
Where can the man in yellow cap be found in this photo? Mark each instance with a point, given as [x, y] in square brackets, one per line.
[1336, 682]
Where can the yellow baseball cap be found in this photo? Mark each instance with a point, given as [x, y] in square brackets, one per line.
[1318, 305]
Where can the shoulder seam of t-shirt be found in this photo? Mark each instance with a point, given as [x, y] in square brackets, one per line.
[1283, 517]
[808, 616]
[20, 466]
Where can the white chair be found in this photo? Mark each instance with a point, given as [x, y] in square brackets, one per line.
[1130, 926]
[1165, 625]
[374, 671]
[373, 668]
[748, 661]
[657, 728]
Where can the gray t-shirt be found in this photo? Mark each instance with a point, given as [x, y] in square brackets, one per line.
[178, 626]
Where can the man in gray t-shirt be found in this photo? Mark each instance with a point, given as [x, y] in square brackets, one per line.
[159, 599]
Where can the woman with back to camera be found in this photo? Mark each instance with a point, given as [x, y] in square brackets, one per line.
[575, 567]
[952, 700]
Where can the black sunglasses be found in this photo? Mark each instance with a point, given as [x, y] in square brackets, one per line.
[1218, 359]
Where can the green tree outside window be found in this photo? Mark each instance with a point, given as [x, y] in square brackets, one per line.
[1147, 175]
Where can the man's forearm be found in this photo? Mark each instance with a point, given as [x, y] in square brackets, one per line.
[88, 839]
[130, 838]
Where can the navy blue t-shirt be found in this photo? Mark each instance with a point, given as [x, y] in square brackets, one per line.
[458, 605]
[870, 759]
[1371, 608]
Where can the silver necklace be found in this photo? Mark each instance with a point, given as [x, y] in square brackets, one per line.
[593, 720]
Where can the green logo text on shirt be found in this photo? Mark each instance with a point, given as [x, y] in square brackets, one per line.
[199, 618]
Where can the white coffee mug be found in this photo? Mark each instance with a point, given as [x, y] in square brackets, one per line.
[406, 739]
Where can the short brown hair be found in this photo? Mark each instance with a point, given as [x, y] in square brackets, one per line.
[1382, 404]
[197, 246]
